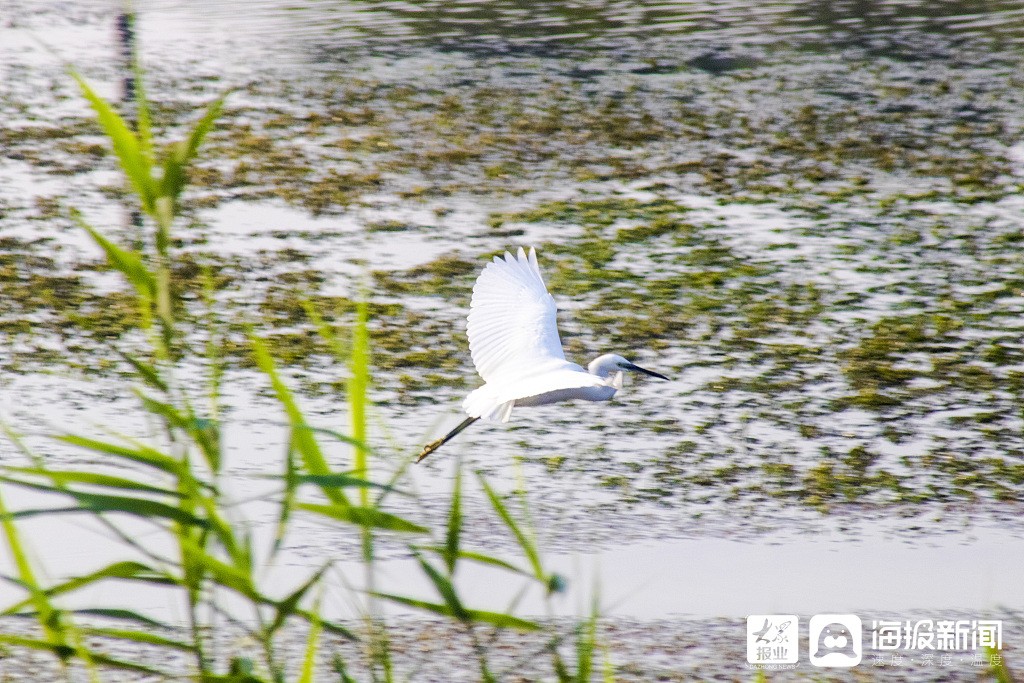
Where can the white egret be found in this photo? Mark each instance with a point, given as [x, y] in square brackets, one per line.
[513, 338]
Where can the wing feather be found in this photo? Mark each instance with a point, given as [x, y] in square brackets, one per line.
[512, 326]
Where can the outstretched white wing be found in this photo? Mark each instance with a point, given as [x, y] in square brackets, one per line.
[511, 326]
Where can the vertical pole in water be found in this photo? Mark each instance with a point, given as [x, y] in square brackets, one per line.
[125, 28]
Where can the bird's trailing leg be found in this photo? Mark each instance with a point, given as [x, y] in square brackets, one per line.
[434, 445]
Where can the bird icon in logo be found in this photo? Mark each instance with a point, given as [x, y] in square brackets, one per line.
[764, 630]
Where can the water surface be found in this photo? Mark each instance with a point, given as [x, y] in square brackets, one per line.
[807, 213]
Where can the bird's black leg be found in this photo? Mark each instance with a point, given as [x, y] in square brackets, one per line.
[434, 445]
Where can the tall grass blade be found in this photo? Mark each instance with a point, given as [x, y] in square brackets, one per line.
[61, 478]
[341, 438]
[165, 410]
[339, 480]
[451, 542]
[62, 651]
[139, 507]
[302, 438]
[561, 671]
[147, 372]
[141, 637]
[443, 551]
[357, 400]
[477, 616]
[205, 433]
[608, 669]
[122, 615]
[309, 661]
[445, 589]
[289, 606]
[524, 541]
[338, 664]
[287, 500]
[143, 120]
[227, 575]
[360, 366]
[365, 517]
[214, 341]
[181, 154]
[118, 570]
[142, 454]
[48, 616]
[66, 652]
[128, 263]
[130, 153]
[334, 627]
[586, 644]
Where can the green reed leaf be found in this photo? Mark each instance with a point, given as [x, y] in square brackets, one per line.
[364, 516]
[130, 153]
[524, 541]
[476, 616]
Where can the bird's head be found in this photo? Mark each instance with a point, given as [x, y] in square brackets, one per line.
[611, 366]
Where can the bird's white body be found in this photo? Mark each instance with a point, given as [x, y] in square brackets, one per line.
[495, 400]
[599, 393]
[513, 338]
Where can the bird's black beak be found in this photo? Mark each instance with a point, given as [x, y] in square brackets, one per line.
[652, 373]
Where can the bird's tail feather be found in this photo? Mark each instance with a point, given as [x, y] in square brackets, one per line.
[484, 404]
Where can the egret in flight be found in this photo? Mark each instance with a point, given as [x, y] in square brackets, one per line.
[513, 338]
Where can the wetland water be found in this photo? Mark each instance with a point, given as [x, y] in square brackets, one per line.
[808, 214]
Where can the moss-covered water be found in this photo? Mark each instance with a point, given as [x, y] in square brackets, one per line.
[818, 236]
